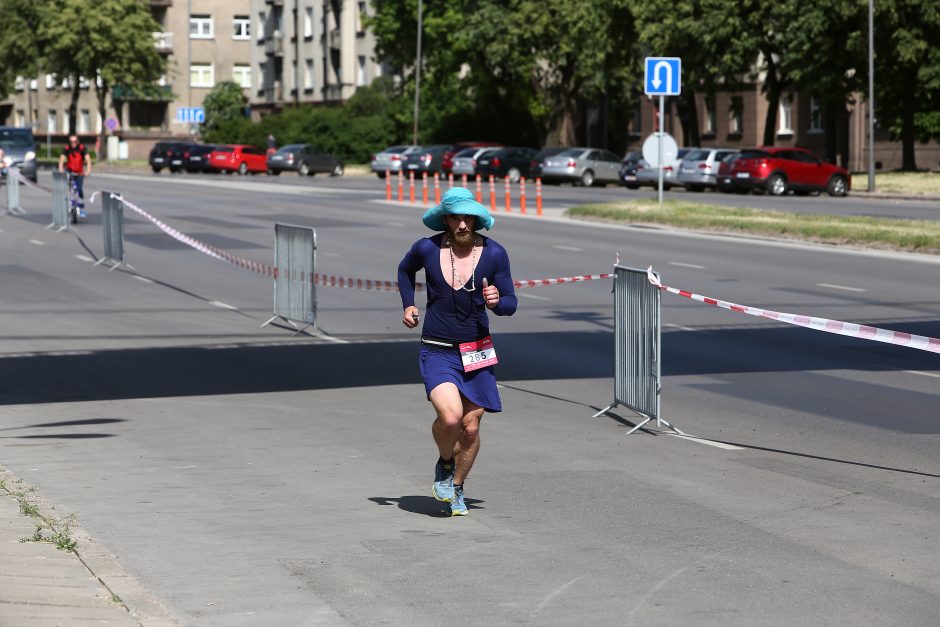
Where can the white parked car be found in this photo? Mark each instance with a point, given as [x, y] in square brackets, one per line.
[465, 161]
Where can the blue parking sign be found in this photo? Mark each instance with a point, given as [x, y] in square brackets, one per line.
[191, 115]
[663, 76]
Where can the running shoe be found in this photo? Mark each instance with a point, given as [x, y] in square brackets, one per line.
[81, 214]
[443, 488]
[457, 506]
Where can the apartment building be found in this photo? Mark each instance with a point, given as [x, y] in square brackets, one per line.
[310, 51]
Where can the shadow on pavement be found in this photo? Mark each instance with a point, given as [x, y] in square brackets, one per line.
[69, 423]
[424, 505]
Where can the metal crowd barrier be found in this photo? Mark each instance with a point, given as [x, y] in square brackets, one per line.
[13, 193]
[637, 352]
[60, 201]
[112, 214]
[295, 292]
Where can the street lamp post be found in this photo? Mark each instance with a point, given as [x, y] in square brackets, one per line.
[871, 95]
[414, 139]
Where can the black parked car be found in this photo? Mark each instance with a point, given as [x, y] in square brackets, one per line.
[535, 167]
[513, 163]
[305, 160]
[168, 155]
[424, 159]
[629, 167]
[196, 158]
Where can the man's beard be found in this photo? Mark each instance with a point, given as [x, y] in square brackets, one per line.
[462, 240]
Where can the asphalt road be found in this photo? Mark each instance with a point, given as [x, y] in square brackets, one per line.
[247, 477]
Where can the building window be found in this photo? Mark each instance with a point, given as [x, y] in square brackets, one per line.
[815, 115]
[241, 74]
[786, 115]
[20, 84]
[710, 116]
[201, 75]
[19, 119]
[52, 121]
[84, 121]
[260, 76]
[261, 20]
[34, 84]
[83, 83]
[308, 23]
[308, 75]
[50, 81]
[736, 119]
[360, 18]
[242, 26]
[200, 27]
[361, 72]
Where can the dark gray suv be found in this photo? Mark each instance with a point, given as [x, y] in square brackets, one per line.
[19, 150]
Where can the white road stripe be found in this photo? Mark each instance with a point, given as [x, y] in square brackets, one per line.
[571, 248]
[326, 254]
[721, 445]
[678, 326]
[37, 242]
[222, 305]
[532, 296]
[923, 374]
[142, 278]
[679, 264]
[844, 288]
[395, 224]
[84, 258]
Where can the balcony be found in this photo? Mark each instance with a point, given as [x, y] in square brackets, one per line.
[332, 92]
[274, 93]
[336, 39]
[161, 3]
[163, 42]
[274, 45]
[277, 3]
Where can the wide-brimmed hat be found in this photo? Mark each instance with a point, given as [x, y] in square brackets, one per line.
[458, 201]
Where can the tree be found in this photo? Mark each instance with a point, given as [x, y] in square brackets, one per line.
[23, 50]
[226, 102]
[109, 42]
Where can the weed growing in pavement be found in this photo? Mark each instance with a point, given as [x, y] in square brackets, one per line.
[54, 530]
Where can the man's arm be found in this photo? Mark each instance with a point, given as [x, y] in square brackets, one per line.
[62, 162]
[407, 270]
[87, 164]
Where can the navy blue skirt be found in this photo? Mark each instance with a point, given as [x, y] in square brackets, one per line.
[439, 365]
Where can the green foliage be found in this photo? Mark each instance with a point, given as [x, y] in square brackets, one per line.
[225, 103]
[22, 49]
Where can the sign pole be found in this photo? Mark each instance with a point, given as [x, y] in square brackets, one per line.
[661, 99]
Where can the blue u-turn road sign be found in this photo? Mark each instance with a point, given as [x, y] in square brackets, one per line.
[663, 76]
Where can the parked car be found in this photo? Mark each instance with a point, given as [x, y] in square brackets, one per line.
[465, 161]
[699, 168]
[305, 160]
[582, 166]
[724, 173]
[648, 175]
[511, 163]
[196, 158]
[447, 163]
[535, 167]
[238, 158]
[168, 155]
[425, 159]
[628, 168]
[777, 170]
[19, 150]
[390, 159]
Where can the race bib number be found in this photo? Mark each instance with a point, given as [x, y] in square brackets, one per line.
[479, 354]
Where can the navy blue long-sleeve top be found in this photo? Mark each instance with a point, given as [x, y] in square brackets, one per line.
[456, 314]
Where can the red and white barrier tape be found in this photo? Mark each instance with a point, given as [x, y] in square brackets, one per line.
[27, 182]
[850, 329]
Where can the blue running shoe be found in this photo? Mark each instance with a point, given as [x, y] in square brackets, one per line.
[457, 506]
[443, 488]
[81, 214]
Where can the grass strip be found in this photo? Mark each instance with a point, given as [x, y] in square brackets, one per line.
[914, 183]
[920, 236]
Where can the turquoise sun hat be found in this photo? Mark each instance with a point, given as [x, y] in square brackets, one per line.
[457, 201]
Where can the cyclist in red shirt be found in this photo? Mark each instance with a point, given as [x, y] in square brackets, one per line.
[77, 162]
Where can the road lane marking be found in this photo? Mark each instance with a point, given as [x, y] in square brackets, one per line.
[721, 445]
[532, 296]
[924, 374]
[679, 264]
[84, 258]
[844, 288]
[569, 248]
[326, 254]
[142, 278]
[678, 326]
[37, 242]
[217, 303]
[395, 224]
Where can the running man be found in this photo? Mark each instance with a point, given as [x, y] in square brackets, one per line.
[466, 274]
[77, 162]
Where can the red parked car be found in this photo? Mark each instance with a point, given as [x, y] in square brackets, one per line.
[777, 170]
[239, 158]
[447, 161]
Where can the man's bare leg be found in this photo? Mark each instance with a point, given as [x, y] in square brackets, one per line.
[468, 441]
[448, 403]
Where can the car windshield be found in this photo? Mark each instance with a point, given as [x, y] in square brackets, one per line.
[291, 148]
[224, 149]
[682, 153]
[571, 152]
[754, 154]
[466, 153]
[698, 155]
[16, 138]
[396, 149]
[547, 152]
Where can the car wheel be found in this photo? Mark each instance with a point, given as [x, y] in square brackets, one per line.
[338, 170]
[587, 179]
[695, 188]
[514, 175]
[274, 172]
[381, 175]
[156, 170]
[776, 185]
[838, 186]
[243, 168]
[303, 170]
[633, 187]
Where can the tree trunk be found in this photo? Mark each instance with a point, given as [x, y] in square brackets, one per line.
[102, 93]
[690, 125]
[568, 120]
[831, 126]
[908, 159]
[73, 105]
[773, 89]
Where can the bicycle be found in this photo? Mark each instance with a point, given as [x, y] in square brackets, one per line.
[76, 205]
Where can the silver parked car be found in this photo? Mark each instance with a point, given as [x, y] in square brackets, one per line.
[390, 159]
[699, 168]
[465, 161]
[648, 175]
[582, 166]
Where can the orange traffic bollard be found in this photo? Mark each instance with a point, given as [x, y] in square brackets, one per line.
[479, 189]
[522, 195]
[388, 185]
[437, 188]
[508, 208]
[538, 197]
[492, 193]
[424, 188]
[401, 187]
[450, 180]
[463, 180]
[411, 187]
